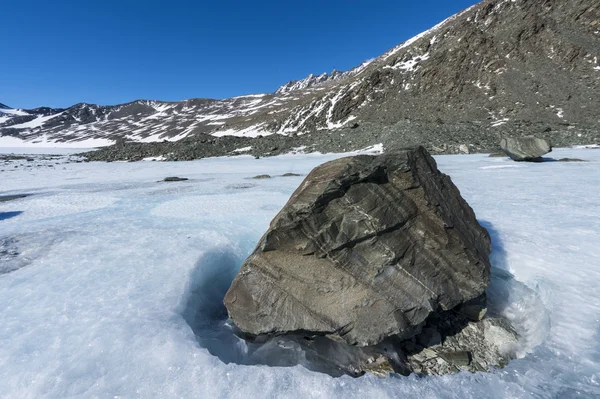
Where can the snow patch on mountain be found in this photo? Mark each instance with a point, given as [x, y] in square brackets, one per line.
[11, 111]
[35, 123]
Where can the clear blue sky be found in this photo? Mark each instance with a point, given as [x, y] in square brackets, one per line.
[58, 53]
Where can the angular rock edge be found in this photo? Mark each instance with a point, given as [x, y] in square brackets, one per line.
[368, 247]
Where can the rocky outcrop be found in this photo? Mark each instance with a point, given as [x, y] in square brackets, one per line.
[368, 247]
[448, 343]
[525, 149]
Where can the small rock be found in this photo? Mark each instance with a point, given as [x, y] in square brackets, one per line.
[174, 178]
[498, 155]
[464, 149]
[262, 177]
[380, 366]
[475, 309]
[6, 198]
[571, 160]
[290, 174]
[525, 149]
[459, 358]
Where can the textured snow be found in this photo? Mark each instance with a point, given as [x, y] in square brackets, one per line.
[159, 158]
[43, 142]
[500, 122]
[243, 149]
[411, 64]
[115, 280]
[251, 131]
[37, 122]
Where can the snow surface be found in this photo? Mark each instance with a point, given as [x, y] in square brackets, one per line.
[16, 112]
[43, 142]
[113, 281]
[35, 123]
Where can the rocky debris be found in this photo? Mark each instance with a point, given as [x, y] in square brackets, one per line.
[6, 198]
[460, 345]
[174, 178]
[525, 149]
[448, 343]
[262, 177]
[440, 139]
[368, 247]
[571, 160]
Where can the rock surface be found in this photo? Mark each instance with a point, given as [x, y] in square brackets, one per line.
[461, 345]
[529, 149]
[448, 343]
[367, 247]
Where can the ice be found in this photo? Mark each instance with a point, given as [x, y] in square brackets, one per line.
[113, 281]
[43, 142]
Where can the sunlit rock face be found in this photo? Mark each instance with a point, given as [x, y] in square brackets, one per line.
[529, 149]
[367, 247]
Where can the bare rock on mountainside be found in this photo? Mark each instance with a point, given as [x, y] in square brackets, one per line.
[525, 149]
[368, 247]
[495, 69]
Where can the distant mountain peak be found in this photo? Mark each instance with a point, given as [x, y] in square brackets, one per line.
[318, 80]
[4, 106]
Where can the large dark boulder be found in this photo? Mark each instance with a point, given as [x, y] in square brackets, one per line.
[527, 149]
[366, 248]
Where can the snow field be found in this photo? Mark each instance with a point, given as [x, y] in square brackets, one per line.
[115, 279]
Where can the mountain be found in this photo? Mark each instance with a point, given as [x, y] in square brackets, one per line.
[499, 67]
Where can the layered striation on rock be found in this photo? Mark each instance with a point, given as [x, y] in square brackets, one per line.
[367, 247]
[526, 149]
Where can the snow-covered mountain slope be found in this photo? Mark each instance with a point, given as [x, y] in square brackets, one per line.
[519, 63]
[111, 283]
